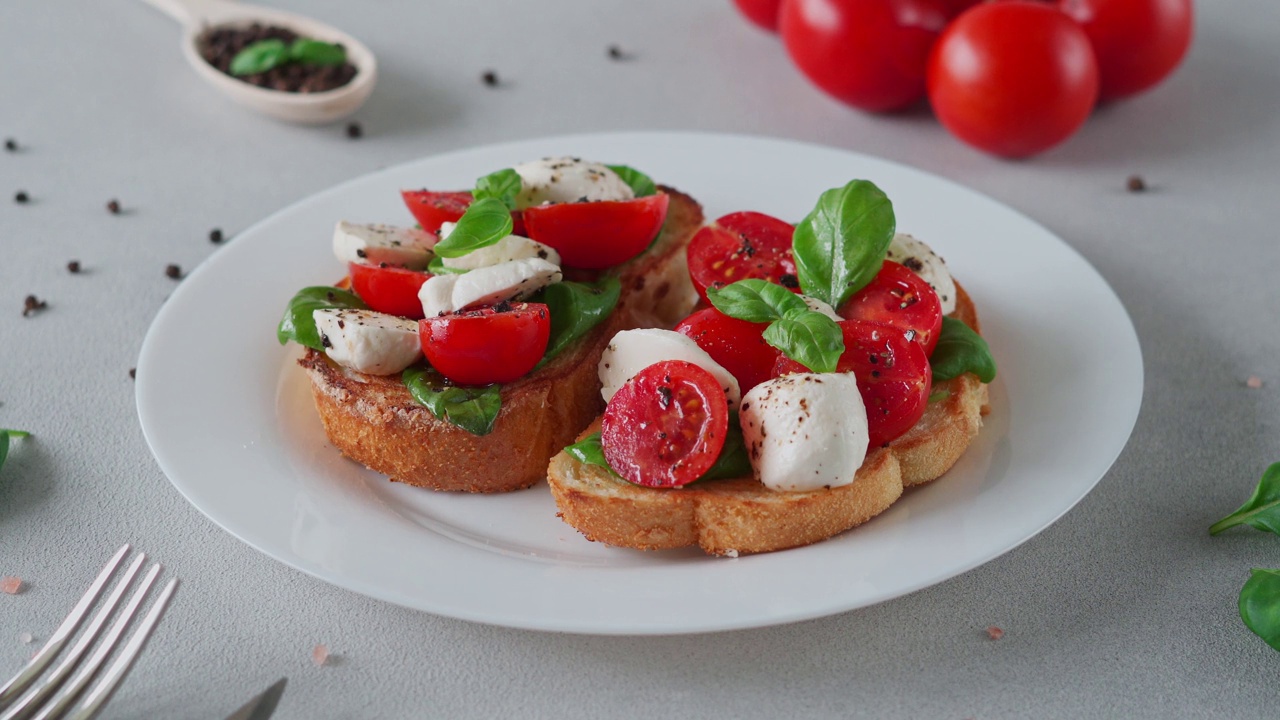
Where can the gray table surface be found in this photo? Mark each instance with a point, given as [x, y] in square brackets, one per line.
[1125, 607]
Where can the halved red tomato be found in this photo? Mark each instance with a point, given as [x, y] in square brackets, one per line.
[736, 344]
[433, 209]
[898, 297]
[490, 345]
[666, 426]
[596, 235]
[388, 289]
[742, 245]
[893, 376]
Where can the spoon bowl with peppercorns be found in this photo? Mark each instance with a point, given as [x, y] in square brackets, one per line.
[280, 64]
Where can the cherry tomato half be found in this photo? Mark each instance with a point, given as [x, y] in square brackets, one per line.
[900, 298]
[742, 245]
[596, 235]
[1013, 78]
[490, 345]
[736, 344]
[666, 426]
[388, 289]
[893, 376]
[1137, 42]
[870, 54]
[433, 209]
[762, 13]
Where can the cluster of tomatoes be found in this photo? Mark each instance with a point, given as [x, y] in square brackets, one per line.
[1012, 77]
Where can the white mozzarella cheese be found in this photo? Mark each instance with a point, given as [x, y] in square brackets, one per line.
[819, 306]
[405, 247]
[568, 179]
[368, 342]
[631, 351]
[436, 294]
[923, 261]
[511, 247]
[805, 431]
[512, 280]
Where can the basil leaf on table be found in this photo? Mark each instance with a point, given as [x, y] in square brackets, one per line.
[485, 222]
[473, 409]
[961, 350]
[4, 442]
[437, 267]
[576, 308]
[260, 57]
[1262, 511]
[642, 185]
[316, 52]
[503, 185]
[840, 246]
[755, 300]
[299, 325]
[1260, 605]
[732, 462]
[808, 337]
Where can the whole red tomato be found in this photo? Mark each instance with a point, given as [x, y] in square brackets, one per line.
[762, 13]
[1137, 42]
[1013, 78]
[870, 54]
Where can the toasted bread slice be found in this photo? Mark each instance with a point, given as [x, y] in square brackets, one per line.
[729, 517]
[374, 420]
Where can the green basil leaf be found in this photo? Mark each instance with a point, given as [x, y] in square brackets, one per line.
[1260, 605]
[473, 409]
[4, 442]
[316, 52]
[503, 185]
[808, 337]
[938, 396]
[1262, 511]
[259, 57]
[733, 461]
[484, 223]
[299, 325]
[755, 300]
[575, 309]
[437, 267]
[642, 185]
[961, 350]
[840, 246]
[590, 450]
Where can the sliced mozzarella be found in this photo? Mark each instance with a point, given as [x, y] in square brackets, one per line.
[512, 280]
[923, 261]
[511, 247]
[631, 351]
[819, 306]
[406, 247]
[568, 179]
[368, 342]
[805, 431]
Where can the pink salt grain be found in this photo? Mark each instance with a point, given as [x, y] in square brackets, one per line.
[1254, 382]
[994, 632]
[320, 655]
[11, 585]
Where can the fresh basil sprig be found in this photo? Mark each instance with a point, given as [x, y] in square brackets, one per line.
[731, 463]
[642, 185]
[840, 246]
[1261, 511]
[503, 185]
[961, 350]
[590, 450]
[485, 222]
[265, 55]
[299, 325]
[1260, 605]
[5, 435]
[473, 409]
[806, 336]
[575, 308]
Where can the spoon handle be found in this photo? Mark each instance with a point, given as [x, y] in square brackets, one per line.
[194, 12]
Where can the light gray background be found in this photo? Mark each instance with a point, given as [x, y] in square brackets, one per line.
[1125, 607]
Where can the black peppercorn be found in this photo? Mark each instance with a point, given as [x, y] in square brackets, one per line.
[21, 197]
[354, 130]
[73, 267]
[173, 272]
[490, 78]
[32, 304]
[11, 145]
[215, 236]
[133, 373]
[113, 207]
[1136, 184]
[615, 53]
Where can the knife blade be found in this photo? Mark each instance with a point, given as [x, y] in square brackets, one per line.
[263, 705]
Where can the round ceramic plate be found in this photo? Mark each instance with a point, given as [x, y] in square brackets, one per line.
[228, 415]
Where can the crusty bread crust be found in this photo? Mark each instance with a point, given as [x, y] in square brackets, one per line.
[731, 517]
[376, 422]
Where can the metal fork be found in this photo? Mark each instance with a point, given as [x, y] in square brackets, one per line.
[40, 702]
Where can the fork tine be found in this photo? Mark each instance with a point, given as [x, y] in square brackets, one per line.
[101, 694]
[50, 684]
[20, 682]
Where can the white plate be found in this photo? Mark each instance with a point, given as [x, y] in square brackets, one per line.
[229, 417]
